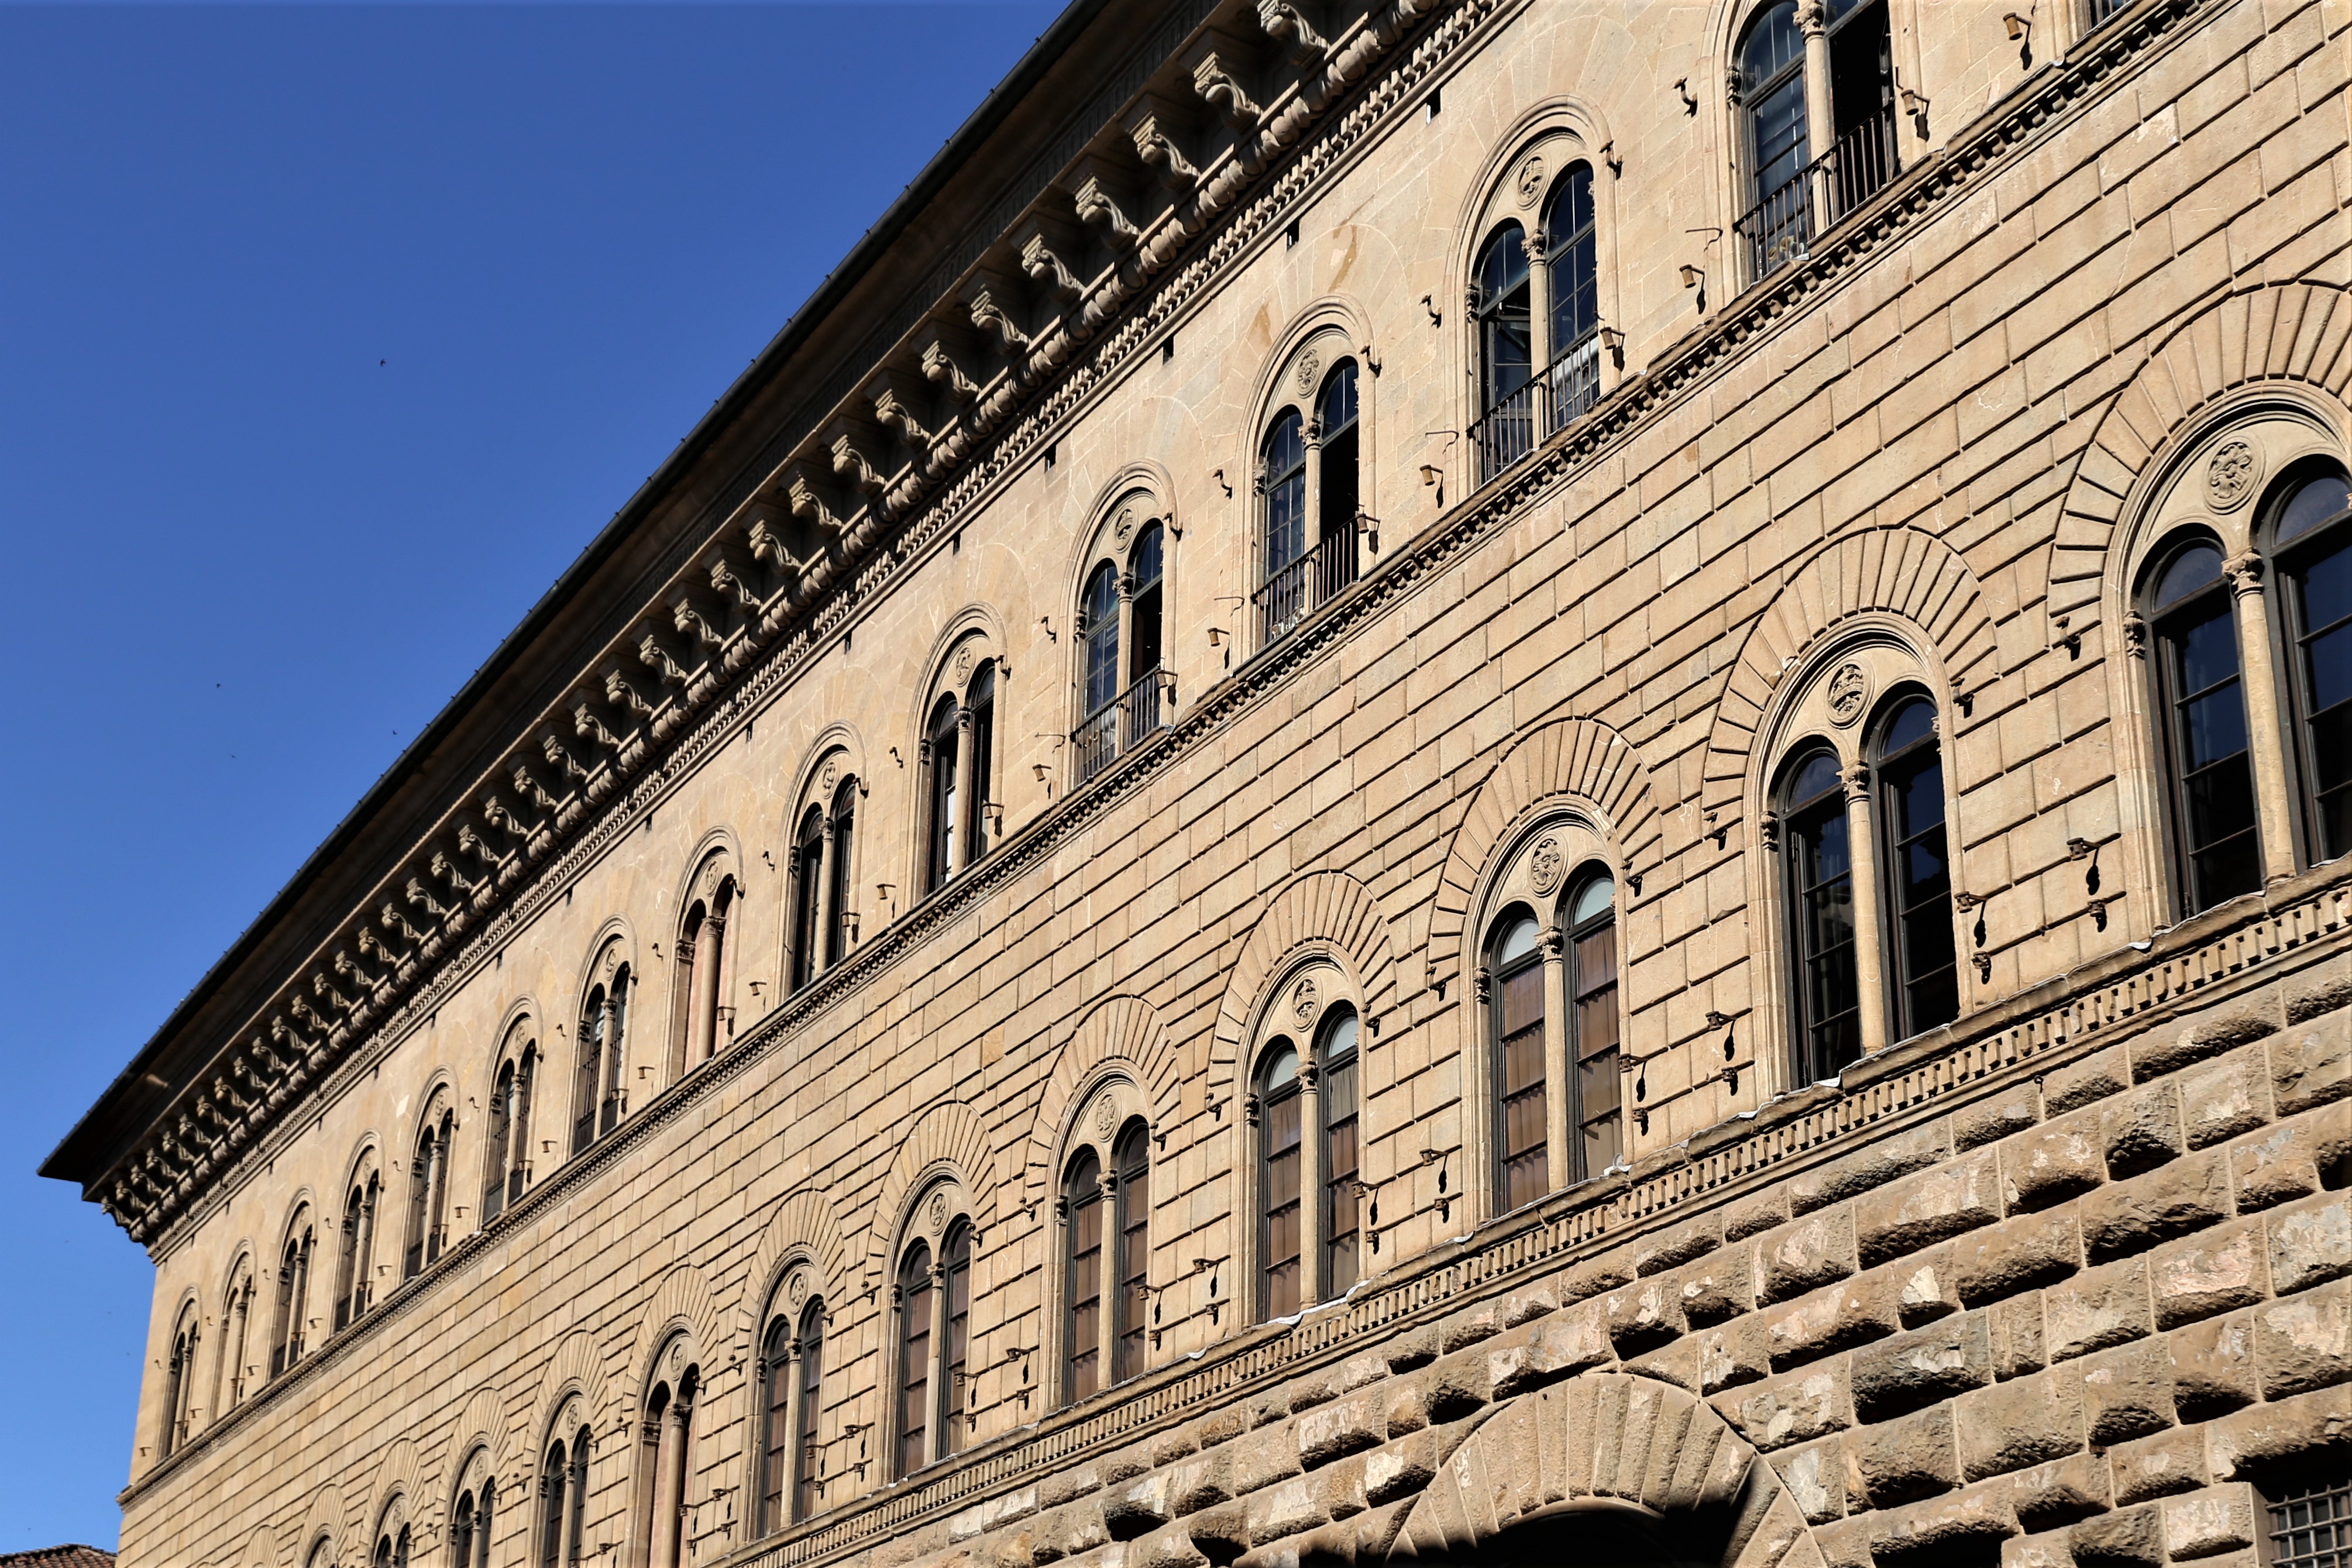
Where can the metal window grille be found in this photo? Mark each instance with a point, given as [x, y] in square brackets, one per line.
[2312, 1526]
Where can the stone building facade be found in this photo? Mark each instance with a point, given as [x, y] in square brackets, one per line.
[1426, 780]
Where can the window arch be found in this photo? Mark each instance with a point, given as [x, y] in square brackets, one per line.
[1310, 481]
[2308, 524]
[392, 1548]
[959, 764]
[2201, 693]
[177, 1411]
[666, 1458]
[564, 1488]
[355, 1252]
[1824, 939]
[1907, 758]
[237, 1322]
[287, 1337]
[507, 1168]
[428, 1184]
[1516, 983]
[1125, 692]
[1103, 1214]
[1502, 316]
[1796, 188]
[913, 1419]
[931, 1339]
[1572, 279]
[473, 1517]
[1302, 1183]
[809, 869]
[792, 1371]
[823, 874]
[599, 1082]
[703, 1018]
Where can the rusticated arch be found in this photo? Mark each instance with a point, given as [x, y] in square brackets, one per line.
[1122, 1035]
[802, 1228]
[1898, 572]
[1578, 759]
[577, 1367]
[1329, 908]
[684, 1304]
[946, 1138]
[2286, 334]
[399, 1494]
[329, 1518]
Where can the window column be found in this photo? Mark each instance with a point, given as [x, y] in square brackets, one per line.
[2263, 722]
[828, 903]
[959, 808]
[1310, 1183]
[1557, 1132]
[1540, 348]
[1869, 961]
[1820, 132]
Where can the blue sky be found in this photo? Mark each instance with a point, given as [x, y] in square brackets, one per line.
[329, 334]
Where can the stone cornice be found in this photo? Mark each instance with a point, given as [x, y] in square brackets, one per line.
[675, 686]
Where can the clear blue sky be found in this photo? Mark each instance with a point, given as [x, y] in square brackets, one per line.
[328, 335]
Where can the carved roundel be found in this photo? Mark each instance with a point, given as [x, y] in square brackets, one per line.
[2231, 475]
[677, 1356]
[1122, 526]
[1545, 866]
[1305, 999]
[796, 1290]
[963, 664]
[1531, 179]
[1849, 692]
[939, 1211]
[712, 875]
[1105, 1114]
[829, 776]
[1308, 364]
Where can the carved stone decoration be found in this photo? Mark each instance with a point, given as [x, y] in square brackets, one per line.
[1531, 179]
[1105, 1114]
[1849, 692]
[796, 1291]
[2245, 573]
[2231, 474]
[1122, 526]
[1543, 868]
[1303, 377]
[677, 1357]
[939, 1211]
[1305, 999]
[712, 875]
[828, 775]
[963, 666]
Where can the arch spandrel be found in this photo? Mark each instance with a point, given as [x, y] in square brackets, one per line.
[1123, 1037]
[950, 1140]
[1327, 908]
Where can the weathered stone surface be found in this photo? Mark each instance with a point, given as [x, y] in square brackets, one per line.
[2101, 1307]
[2095, 1077]
[1993, 1120]
[1662, 1250]
[2026, 1422]
[2302, 1427]
[2061, 1491]
[1868, 1168]
[1835, 1318]
[2133, 1216]
[1341, 1486]
[1203, 1481]
[1258, 1460]
[1409, 1350]
[1470, 1327]
[2304, 1341]
[2019, 1335]
[2127, 1538]
[2274, 1166]
[1285, 1509]
[1719, 1287]
[1928, 1289]
[2169, 1050]
[1676, 1364]
[1929, 1207]
[1568, 1344]
[1059, 1487]
[2142, 1131]
[1172, 1547]
[2310, 1002]
[1981, 1516]
[2127, 1392]
[2036, 1551]
[1453, 1386]
[1734, 1355]
[2213, 1367]
[2207, 1273]
[1816, 1476]
[1401, 1468]
[2208, 1523]
[1642, 1315]
[2230, 1097]
[1219, 1534]
[1810, 1253]
[1340, 1428]
[2021, 1253]
[1902, 1460]
[1754, 1216]
[1592, 1278]
[1136, 1507]
[2052, 1163]
[2310, 1243]
[1792, 1409]
[2311, 1064]
[1924, 1367]
[2158, 1466]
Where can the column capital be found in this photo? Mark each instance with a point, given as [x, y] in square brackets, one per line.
[1554, 941]
[2245, 574]
[1812, 18]
[963, 720]
[1856, 778]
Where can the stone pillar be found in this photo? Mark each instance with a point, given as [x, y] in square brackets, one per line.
[1820, 118]
[1310, 1179]
[669, 1491]
[2265, 734]
[1313, 519]
[961, 806]
[702, 993]
[1120, 678]
[1559, 1085]
[1107, 1320]
[1869, 962]
[828, 918]
[1541, 350]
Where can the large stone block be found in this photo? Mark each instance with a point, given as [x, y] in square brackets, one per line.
[2133, 1216]
[2102, 1307]
[2053, 1163]
[2207, 1273]
[2208, 1523]
[2061, 1491]
[1571, 1342]
[1792, 1409]
[1835, 1318]
[2229, 1097]
[1872, 1167]
[2313, 1428]
[2015, 1426]
[2021, 1253]
[2311, 1063]
[1934, 1363]
[2095, 1077]
[1927, 1207]
[1340, 1427]
[2127, 1392]
[1961, 1524]
[1899, 1461]
[2160, 1465]
[2142, 1131]
[1733, 1354]
[2019, 1335]
[1816, 1476]
[2127, 1538]
[1809, 1253]
[2169, 1050]
[2304, 1341]
[2274, 1166]
[2310, 1243]
[1642, 1315]
[2213, 1368]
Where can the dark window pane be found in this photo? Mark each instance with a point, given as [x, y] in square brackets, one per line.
[2314, 502]
[2198, 566]
[2220, 802]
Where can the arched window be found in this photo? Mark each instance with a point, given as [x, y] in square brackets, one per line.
[286, 1337]
[840, 910]
[563, 1498]
[509, 1169]
[1147, 631]
[1342, 1221]
[1099, 608]
[1517, 981]
[1279, 1177]
[776, 1381]
[1082, 1229]
[2309, 514]
[808, 896]
[1917, 865]
[2202, 698]
[428, 1186]
[1572, 285]
[1131, 1272]
[1794, 189]
[179, 1385]
[704, 1019]
[808, 1463]
[981, 703]
[600, 1081]
[1594, 1027]
[356, 1254]
[391, 1549]
[1501, 314]
[956, 1396]
[663, 1472]
[237, 1321]
[1122, 703]
[911, 1425]
[471, 1523]
[1820, 869]
[941, 742]
[1281, 595]
[1337, 479]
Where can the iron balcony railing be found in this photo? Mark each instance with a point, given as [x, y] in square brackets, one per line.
[1124, 723]
[1518, 423]
[1779, 228]
[1293, 591]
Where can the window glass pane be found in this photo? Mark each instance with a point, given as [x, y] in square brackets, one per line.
[1592, 899]
[1134, 1270]
[1593, 991]
[2199, 566]
[1336, 406]
[914, 1357]
[1341, 1228]
[1504, 336]
[1822, 892]
[2314, 502]
[1285, 491]
[1279, 1177]
[955, 1397]
[1084, 1280]
[1911, 724]
[1817, 776]
[1519, 1020]
[1517, 941]
[1281, 1067]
